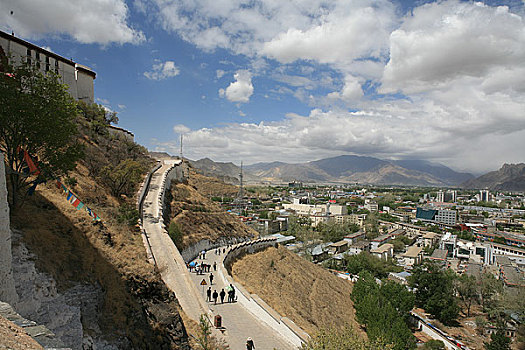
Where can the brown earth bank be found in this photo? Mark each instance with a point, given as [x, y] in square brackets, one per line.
[311, 296]
[13, 337]
[137, 310]
[198, 217]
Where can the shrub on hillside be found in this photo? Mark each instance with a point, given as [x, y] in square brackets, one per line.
[175, 234]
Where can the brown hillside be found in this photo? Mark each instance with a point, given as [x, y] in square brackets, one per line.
[200, 218]
[137, 309]
[212, 187]
[306, 293]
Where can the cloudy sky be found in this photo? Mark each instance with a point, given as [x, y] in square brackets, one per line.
[299, 80]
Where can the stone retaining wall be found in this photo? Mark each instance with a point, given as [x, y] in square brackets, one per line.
[253, 302]
[241, 249]
[191, 252]
[7, 284]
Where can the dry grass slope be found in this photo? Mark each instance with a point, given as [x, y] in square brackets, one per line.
[306, 293]
[200, 218]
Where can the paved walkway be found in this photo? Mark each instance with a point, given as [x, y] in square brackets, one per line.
[238, 322]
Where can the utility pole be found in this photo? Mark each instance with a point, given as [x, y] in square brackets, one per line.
[241, 189]
[181, 147]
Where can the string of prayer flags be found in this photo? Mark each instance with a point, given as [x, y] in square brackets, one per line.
[72, 198]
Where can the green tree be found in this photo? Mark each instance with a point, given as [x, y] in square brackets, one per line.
[488, 288]
[342, 339]
[434, 345]
[466, 287]
[37, 115]
[98, 116]
[175, 234]
[498, 341]
[383, 309]
[365, 261]
[434, 290]
[123, 178]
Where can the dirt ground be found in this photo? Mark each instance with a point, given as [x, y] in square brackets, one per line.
[199, 217]
[13, 337]
[306, 293]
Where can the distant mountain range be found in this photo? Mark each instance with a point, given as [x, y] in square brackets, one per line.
[342, 169]
[510, 177]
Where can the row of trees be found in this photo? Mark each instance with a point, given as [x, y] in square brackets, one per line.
[441, 292]
[384, 310]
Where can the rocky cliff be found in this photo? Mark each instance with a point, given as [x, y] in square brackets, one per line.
[510, 177]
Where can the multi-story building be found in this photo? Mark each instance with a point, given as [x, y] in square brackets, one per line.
[442, 216]
[77, 77]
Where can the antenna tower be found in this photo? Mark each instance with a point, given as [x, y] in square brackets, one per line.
[181, 147]
[240, 195]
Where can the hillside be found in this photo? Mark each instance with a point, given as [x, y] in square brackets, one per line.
[227, 172]
[93, 283]
[510, 177]
[367, 170]
[306, 293]
[197, 216]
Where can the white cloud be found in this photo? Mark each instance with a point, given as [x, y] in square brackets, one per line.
[121, 106]
[241, 89]
[220, 73]
[181, 129]
[86, 21]
[161, 71]
[352, 30]
[351, 91]
[445, 41]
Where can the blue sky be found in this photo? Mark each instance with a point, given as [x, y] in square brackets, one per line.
[266, 80]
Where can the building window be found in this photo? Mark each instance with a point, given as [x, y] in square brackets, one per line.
[56, 66]
[29, 56]
[47, 64]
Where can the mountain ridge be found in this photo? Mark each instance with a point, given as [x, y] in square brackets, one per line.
[510, 177]
[341, 169]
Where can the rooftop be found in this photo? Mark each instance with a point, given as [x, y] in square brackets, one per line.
[382, 248]
[412, 252]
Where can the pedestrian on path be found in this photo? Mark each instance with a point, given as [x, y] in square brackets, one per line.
[232, 293]
[249, 344]
[214, 266]
[215, 296]
[211, 278]
[208, 294]
[222, 294]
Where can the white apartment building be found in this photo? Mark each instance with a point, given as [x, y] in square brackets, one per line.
[77, 77]
[448, 217]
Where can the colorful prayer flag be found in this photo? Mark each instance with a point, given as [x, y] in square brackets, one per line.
[80, 205]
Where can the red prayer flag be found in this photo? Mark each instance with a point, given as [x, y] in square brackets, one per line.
[76, 202]
[32, 167]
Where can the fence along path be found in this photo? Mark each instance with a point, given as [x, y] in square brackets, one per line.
[238, 322]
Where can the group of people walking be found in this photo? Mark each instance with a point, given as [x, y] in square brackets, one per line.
[230, 290]
[214, 296]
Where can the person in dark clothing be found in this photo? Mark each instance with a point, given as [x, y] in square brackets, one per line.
[249, 344]
[222, 294]
[214, 266]
[215, 296]
[232, 292]
[208, 294]
[211, 278]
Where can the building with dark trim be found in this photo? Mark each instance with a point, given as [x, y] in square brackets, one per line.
[78, 78]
